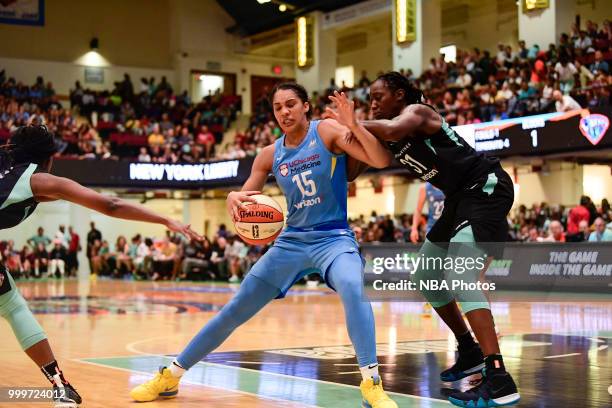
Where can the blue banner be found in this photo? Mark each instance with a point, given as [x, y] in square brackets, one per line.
[22, 12]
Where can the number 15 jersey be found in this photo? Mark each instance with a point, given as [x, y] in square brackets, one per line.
[314, 182]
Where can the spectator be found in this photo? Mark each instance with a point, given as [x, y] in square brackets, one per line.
[144, 156]
[196, 264]
[39, 238]
[122, 259]
[41, 260]
[534, 51]
[583, 42]
[63, 236]
[92, 236]
[601, 233]
[57, 259]
[565, 103]
[555, 233]
[218, 258]
[583, 232]
[578, 214]
[522, 51]
[464, 79]
[143, 261]
[205, 141]
[566, 72]
[236, 250]
[72, 264]
[599, 64]
[164, 256]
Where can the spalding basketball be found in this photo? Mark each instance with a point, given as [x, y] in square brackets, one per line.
[260, 223]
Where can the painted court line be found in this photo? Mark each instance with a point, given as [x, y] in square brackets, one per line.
[563, 355]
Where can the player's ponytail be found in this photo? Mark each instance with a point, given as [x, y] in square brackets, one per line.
[396, 81]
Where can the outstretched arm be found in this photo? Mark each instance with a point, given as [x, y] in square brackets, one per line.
[47, 187]
[398, 128]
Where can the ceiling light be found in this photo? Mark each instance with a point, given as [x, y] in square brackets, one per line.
[282, 7]
[263, 1]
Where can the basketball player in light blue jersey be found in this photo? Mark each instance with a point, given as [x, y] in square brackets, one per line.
[435, 204]
[309, 163]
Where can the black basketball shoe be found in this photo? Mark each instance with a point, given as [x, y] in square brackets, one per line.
[468, 362]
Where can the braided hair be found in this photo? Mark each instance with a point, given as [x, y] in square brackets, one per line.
[396, 81]
[28, 144]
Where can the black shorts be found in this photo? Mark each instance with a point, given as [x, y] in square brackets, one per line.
[483, 204]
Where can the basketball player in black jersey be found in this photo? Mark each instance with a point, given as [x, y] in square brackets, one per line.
[479, 194]
[24, 183]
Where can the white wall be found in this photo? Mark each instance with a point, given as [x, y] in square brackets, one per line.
[378, 52]
[597, 182]
[484, 29]
[563, 184]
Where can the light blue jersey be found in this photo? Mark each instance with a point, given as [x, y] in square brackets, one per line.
[314, 182]
[435, 204]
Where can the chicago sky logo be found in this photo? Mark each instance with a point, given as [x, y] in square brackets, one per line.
[594, 127]
[284, 169]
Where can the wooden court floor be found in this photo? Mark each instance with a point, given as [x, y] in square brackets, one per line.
[111, 335]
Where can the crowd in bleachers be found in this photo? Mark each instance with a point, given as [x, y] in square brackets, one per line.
[151, 123]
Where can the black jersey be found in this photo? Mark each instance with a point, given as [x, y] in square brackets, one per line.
[16, 198]
[444, 159]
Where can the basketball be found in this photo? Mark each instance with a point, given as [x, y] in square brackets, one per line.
[260, 223]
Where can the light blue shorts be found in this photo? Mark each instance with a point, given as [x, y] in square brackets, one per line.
[297, 254]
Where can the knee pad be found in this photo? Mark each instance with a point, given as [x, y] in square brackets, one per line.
[463, 246]
[431, 268]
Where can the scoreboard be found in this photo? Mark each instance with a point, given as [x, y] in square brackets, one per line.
[549, 133]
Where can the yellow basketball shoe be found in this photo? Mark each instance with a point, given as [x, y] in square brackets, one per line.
[164, 385]
[373, 394]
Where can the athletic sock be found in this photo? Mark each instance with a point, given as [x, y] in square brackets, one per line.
[495, 363]
[53, 373]
[465, 341]
[369, 371]
[176, 369]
